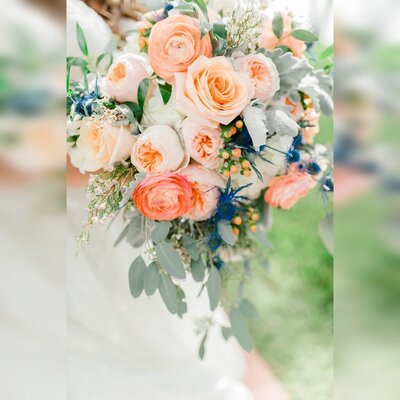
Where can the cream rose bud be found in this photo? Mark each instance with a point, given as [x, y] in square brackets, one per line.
[205, 191]
[202, 143]
[262, 72]
[158, 149]
[124, 77]
[100, 144]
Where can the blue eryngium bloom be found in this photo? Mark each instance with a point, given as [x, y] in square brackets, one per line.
[313, 168]
[229, 203]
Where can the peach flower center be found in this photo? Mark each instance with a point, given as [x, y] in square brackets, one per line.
[118, 73]
[149, 157]
[203, 144]
[197, 196]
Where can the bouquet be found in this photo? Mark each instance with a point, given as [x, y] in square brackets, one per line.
[194, 126]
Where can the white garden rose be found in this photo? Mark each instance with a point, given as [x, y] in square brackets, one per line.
[100, 144]
[124, 77]
[158, 149]
[155, 112]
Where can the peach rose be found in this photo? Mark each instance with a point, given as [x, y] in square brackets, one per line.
[158, 149]
[262, 72]
[100, 144]
[163, 197]
[269, 41]
[202, 143]
[205, 191]
[296, 109]
[124, 77]
[286, 190]
[212, 92]
[174, 44]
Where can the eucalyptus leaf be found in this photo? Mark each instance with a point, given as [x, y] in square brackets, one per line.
[226, 232]
[198, 269]
[166, 91]
[202, 5]
[81, 40]
[202, 348]
[226, 332]
[121, 236]
[136, 110]
[182, 306]
[304, 35]
[161, 231]
[219, 29]
[152, 279]
[214, 287]
[76, 61]
[102, 57]
[136, 276]
[248, 310]
[170, 260]
[240, 329]
[142, 91]
[191, 246]
[167, 291]
[136, 233]
[277, 25]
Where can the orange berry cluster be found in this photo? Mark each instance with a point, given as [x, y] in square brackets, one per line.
[248, 221]
[234, 161]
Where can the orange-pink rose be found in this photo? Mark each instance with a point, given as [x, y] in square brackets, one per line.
[269, 41]
[286, 190]
[124, 77]
[174, 44]
[202, 143]
[212, 91]
[163, 197]
[205, 191]
[311, 118]
[262, 72]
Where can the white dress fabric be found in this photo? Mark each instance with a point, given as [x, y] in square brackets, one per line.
[122, 348]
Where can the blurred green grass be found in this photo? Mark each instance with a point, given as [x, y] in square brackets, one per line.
[295, 299]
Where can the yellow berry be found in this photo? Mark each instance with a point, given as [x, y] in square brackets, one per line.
[225, 155]
[234, 169]
[239, 124]
[253, 228]
[247, 172]
[246, 164]
[227, 174]
[236, 231]
[236, 152]
[237, 220]
[255, 217]
[227, 135]
[233, 130]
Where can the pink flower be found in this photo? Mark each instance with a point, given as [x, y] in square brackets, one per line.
[286, 190]
[163, 197]
[174, 44]
[311, 117]
[124, 77]
[202, 143]
[158, 149]
[212, 92]
[262, 72]
[205, 192]
[269, 41]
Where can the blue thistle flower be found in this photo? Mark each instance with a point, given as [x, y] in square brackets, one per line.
[313, 168]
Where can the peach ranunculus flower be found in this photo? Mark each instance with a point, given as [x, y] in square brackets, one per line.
[212, 92]
[286, 190]
[262, 72]
[158, 149]
[100, 144]
[269, 41]
[124, 76]
[205, 191]
[163, 197]
[202, 143]
[174, 44]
